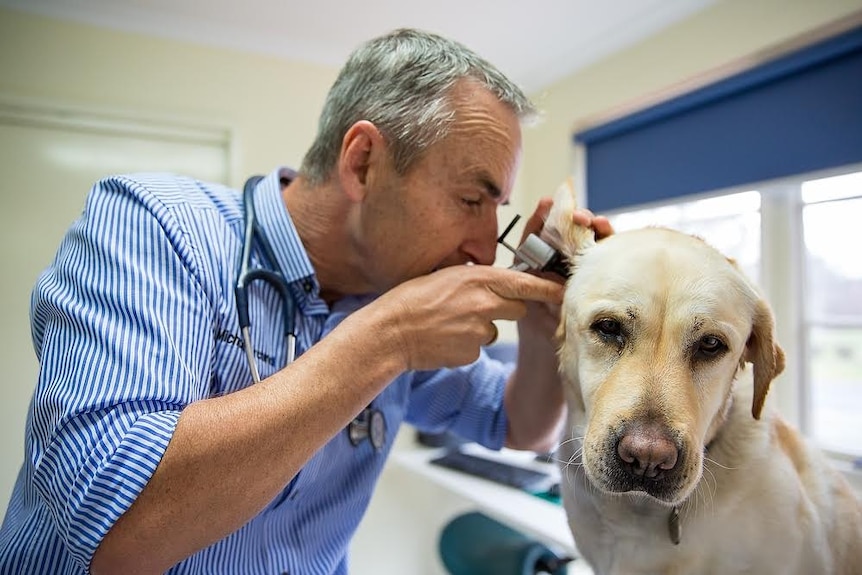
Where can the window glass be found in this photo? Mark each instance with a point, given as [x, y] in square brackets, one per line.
[833, 238]
[835, 390]
[730, 223]
[833, 310]
[834, 188]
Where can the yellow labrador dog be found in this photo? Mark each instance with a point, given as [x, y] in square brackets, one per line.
[671, 463]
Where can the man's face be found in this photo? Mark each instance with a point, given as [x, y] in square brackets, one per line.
[443, 212]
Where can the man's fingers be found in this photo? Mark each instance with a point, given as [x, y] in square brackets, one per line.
[512, 284]
[600, 224]
[603, 227]
[583, 217]
[535, 222]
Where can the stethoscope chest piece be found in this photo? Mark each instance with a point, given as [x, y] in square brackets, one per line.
[369, 424]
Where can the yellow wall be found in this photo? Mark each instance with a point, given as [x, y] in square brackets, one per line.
[269, 105]
[728, 31]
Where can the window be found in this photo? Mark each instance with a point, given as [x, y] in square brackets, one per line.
[832, 318]
[730, 223]
[828, 383]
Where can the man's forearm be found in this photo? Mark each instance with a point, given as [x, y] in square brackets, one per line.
[230, 456]
[534, 399]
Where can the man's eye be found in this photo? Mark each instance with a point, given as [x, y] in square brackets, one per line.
[472, 202]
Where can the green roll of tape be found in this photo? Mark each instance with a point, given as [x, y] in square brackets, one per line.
[475, 544]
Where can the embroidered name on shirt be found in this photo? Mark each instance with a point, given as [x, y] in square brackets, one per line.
[233, 339]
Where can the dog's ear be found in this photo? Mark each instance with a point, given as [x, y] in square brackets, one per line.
[569, 238]
[559, 229]
[764, 353]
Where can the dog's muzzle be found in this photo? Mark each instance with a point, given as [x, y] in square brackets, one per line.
[645, 457]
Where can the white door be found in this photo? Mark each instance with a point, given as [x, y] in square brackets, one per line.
[49, 159]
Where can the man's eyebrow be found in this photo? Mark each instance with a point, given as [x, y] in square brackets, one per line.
[490, 187]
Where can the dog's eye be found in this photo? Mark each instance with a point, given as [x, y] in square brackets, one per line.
[607, 326]
[609, 330]
[710, 346]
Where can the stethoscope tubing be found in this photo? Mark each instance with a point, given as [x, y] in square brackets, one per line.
[246, 275]
[370, 423]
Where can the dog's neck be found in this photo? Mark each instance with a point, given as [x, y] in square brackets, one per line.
[720, 418]
[713, 436]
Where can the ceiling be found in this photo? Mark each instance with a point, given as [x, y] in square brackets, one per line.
[535, 45]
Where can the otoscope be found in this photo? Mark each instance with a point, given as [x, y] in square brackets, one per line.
[534, 254]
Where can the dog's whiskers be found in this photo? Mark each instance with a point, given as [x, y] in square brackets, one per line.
[713, 489]
[575, 455]
[571, 439]
[717, 464]
[706, 489]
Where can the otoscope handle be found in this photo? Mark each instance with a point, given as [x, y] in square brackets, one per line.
[538, 255]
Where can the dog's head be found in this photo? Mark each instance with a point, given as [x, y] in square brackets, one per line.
[655, 326]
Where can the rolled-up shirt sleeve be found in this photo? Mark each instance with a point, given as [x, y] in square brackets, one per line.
[123, 330]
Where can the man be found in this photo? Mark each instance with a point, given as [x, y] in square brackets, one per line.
[149, 448]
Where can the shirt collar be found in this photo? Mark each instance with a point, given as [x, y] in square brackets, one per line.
[275, 223]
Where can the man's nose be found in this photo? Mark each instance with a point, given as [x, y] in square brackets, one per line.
[481, 244]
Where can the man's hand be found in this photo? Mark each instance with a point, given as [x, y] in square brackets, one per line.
[534, 397]
[581, 216]
[542, 320]
[442, 319]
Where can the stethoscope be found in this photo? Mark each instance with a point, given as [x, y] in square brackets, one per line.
[370, 423]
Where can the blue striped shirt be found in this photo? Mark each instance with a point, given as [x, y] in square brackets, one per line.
[134, 320]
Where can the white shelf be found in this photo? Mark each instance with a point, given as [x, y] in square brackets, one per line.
[522, 511]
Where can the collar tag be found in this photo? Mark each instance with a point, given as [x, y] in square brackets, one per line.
[673, 527]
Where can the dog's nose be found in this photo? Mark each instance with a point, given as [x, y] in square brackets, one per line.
[647, 451]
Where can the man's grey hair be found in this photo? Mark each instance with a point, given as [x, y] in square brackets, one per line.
[402, 83]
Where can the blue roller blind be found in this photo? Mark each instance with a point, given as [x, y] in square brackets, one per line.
[798, 113]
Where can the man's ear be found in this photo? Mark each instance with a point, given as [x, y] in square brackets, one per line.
[363, 151]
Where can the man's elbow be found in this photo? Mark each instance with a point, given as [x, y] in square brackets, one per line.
[111, 558]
